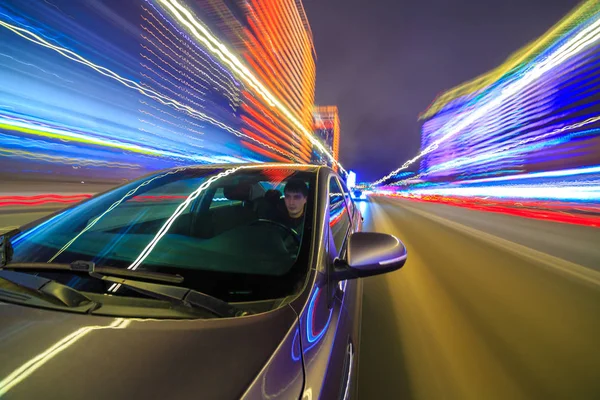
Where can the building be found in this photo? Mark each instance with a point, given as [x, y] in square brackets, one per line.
[275, 43]
[327, 129]
[166, 84]
[532, 114]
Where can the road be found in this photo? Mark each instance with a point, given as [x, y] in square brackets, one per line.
[13, 217]
[474, 315]
[488, 306]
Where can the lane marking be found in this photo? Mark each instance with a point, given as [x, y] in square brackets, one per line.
[557, 264]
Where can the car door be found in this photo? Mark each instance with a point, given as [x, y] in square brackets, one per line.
[351, 292]
[327, 338]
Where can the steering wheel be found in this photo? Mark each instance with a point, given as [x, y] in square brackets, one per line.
[289, 230]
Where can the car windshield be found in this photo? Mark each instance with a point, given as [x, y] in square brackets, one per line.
[226, 231]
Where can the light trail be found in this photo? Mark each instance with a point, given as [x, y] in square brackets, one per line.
[165, 100]
[577, 43]
[186, 18]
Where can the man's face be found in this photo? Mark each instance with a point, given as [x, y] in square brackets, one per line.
[294, 202]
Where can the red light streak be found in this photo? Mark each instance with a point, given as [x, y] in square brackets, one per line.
[337, 218]
[37, 200]
[277, 120]
[270, 38]
[264, 128]
[250, 134]
[264, 152]
[545, 211]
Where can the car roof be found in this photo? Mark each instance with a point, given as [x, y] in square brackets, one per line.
[265, 165]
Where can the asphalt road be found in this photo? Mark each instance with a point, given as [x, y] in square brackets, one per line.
[13, 217]
[488, 306]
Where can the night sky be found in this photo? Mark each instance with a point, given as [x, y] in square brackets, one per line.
[382, 62]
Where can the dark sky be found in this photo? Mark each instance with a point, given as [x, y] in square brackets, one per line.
[382, 62]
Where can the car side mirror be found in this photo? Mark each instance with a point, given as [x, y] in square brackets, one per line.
[370, 253]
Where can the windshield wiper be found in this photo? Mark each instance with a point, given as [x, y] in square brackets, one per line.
[172, 293]
[86, 266]
[186, 296]
[63, 293]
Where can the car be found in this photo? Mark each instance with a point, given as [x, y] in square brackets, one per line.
[185, 283]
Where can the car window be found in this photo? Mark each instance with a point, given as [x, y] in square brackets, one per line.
[339, 220]
[223, 233]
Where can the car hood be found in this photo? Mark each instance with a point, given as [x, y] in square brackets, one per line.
[58, 355]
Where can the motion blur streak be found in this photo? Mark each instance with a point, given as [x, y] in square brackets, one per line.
[107, 91]
[41, 199]
[566, 192]
[201, 33]
[539, 114]
[33, 129]
[38, 361]
[570, 213]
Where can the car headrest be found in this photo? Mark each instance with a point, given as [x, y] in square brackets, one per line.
[240, 192]
[273, 195]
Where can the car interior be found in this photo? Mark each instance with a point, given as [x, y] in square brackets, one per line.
[243, 203]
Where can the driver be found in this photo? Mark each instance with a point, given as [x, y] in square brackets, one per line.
[295, 195]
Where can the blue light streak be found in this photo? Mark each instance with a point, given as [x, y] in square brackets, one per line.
[123, 90]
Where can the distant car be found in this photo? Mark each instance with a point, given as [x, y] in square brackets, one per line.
[359, 195]
[185, 284]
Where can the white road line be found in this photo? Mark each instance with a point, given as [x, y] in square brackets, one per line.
[557, 264]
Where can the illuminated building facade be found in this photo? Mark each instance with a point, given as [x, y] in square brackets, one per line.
[119, 89]
[327, 129]
[530, 127]
[275, 42]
